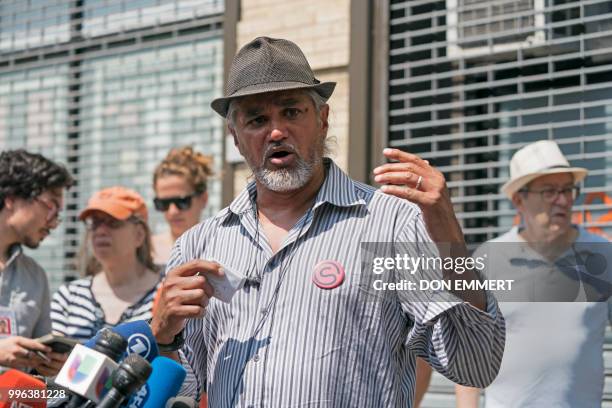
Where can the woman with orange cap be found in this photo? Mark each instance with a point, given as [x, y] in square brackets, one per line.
[179, 182]
[121, 278]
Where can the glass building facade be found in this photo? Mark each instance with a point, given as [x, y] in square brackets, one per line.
[107, 88]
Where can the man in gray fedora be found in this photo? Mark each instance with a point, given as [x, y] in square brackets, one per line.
[299, 332]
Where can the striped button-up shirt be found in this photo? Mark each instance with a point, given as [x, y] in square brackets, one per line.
[286, 342]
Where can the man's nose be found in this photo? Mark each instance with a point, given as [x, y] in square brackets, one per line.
[278, 130]
[562, 199]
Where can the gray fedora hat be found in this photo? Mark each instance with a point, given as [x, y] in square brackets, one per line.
[268, 65]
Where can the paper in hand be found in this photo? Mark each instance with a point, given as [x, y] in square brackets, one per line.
[226, 286]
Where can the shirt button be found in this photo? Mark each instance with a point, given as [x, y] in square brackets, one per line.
[264, 312]
[256, 358]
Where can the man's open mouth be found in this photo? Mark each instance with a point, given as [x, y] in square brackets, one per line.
[281, 156]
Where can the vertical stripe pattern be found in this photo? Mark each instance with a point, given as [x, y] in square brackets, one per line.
[286, 342]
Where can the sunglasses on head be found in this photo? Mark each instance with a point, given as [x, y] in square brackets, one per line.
[182, 203]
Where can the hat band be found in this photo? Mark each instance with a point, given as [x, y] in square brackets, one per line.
[562, 166]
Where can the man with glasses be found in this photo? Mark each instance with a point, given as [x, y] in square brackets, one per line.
[31, 198]
[555, 332]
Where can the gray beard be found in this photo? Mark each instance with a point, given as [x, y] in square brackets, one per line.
[287, 179]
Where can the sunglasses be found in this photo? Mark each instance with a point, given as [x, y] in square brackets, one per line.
[113, 223]
[182, 203]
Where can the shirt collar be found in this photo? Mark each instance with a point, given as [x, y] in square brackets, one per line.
[14, 251]
[337, 189]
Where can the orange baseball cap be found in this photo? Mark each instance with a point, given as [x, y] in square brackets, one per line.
[119, 202]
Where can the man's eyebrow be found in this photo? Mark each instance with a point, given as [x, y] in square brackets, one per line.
[568, 184]
[281, 102]
[290, 101]
[254, 111]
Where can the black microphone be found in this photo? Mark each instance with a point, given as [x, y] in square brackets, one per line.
[110, 344]
[131, 374]
[253, 282]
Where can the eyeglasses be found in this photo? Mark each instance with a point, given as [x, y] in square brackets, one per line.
[551, 194]
[94, 222]
[52, 208]
[182, 203]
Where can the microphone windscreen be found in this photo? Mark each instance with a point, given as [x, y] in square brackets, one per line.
[164, 383]
[19, 382]
[111, 344]
[140, 339]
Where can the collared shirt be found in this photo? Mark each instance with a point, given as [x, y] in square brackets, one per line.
[554, 350]
[286, 342]
[24, 294]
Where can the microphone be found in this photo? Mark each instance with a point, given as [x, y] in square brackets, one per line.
[129, 376]
[164, 383]
[17, 389]
[253, 282]
[181, 402]
[87, 371]
[140, 339]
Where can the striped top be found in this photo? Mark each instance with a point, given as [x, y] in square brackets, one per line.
[76, 313]
[286, 342]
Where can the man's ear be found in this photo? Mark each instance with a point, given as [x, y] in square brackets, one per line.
[324, 116]
[517, 200]
[9, 203]
[233, 133]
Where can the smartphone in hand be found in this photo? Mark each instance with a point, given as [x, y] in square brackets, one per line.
[59, 344]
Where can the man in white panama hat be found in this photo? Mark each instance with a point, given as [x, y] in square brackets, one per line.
[554, 347]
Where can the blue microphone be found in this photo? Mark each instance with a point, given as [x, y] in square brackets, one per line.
[139, 337]
[164, 383]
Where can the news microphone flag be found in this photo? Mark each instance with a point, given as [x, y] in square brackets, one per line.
[87, 372]
[15, 380]
[164, 383]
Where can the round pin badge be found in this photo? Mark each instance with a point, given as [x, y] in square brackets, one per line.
[328, 274]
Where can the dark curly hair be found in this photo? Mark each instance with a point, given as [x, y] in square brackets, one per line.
[27, 175]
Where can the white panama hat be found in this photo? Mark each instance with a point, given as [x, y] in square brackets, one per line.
[535, 160]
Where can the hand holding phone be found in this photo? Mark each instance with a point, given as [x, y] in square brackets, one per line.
[53, 361]
[59, 344]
